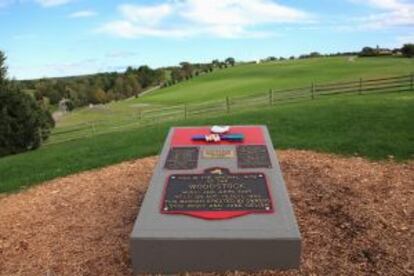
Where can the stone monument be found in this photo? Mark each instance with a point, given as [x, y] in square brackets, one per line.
[216, 201]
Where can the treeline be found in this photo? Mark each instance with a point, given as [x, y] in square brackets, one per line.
[187, 70]
[102, 88]
[94, 89]
[407, 50]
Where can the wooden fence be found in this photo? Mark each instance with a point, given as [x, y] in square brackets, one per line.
[151, 116]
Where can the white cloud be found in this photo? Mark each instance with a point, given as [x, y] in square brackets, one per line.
[219, 18]
[147, 15]
[392, 13]
[85, 13]
[52, 3]
[126, 29]
[239, 12]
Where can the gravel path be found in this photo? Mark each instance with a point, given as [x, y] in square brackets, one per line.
[356, 218]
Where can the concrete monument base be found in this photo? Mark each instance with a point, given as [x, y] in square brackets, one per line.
[163, 242]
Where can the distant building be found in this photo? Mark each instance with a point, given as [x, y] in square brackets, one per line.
[383, 51]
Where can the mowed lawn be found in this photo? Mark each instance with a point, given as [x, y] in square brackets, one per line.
[248, 79]
[375, 126]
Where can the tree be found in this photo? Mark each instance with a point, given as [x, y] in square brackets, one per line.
[367, 52]
[408, 50]
[176, 75]
[231, 61]
[187, 69]
[23, 124]
[215, 63]
[147, 76]
[134, 85]
[314, 54]
[99, 96]
[119, 86]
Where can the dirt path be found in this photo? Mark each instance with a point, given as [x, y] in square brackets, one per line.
[356, 218]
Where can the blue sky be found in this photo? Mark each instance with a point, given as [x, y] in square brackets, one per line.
[45, 38]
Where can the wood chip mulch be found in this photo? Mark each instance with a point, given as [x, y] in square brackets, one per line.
[356, 218]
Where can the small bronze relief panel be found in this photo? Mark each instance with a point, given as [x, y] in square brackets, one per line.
[253, 156]
[182, 158]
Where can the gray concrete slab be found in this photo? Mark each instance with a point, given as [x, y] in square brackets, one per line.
[165, 243]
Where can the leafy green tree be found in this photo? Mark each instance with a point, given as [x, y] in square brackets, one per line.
[176, 75]
[367, 52]
[147, 76]
[23, 124]
[231, 61]
[408, 50]
[215, 62]
[135, 86]
[187, 69]
[314, 54]
[119, 85]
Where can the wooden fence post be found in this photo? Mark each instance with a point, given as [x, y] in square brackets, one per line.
[360, 86]
[313, 90]
[228, 104]
[270, 96]
[185, 112]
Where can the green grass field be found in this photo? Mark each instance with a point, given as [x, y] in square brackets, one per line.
[373, 126]
[255, 78]
[248, 79]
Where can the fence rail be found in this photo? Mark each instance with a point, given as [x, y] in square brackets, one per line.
[151, 116]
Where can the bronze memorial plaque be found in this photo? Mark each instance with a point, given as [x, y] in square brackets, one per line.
[253, 156]
[217, 190]
[182, 158]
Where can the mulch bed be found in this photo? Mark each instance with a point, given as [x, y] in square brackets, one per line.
[356, 218]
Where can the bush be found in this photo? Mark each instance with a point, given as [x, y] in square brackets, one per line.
[23, 124]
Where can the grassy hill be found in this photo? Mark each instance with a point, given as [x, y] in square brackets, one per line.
[248, 79]
[255, 78]
[373, 126]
